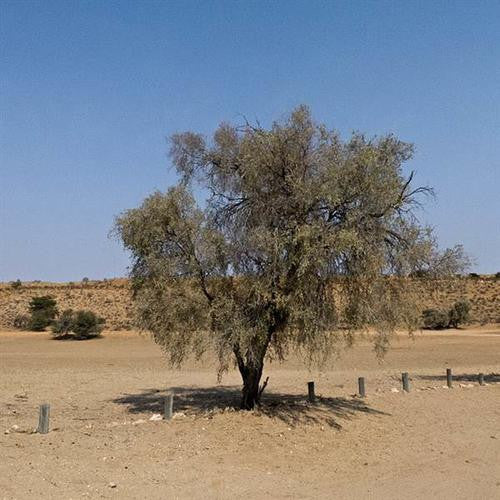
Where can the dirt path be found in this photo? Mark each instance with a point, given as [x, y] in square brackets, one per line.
[432, 442]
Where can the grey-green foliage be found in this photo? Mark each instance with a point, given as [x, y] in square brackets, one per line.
[63, 324]
[438, 319]
[435, 319]
[81, 324]
[289, 208]
[459, 313]
[43, 311]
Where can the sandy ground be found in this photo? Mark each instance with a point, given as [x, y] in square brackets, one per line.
[431, 443]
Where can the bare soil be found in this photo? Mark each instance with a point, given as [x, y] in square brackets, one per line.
[433, 442]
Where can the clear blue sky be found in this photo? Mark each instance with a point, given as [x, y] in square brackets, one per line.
[90, 90]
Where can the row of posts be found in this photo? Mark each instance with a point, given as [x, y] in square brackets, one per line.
[405, 380]
[168, 407]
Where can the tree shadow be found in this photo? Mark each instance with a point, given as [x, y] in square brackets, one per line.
[489, 378]
[65, 337]
[289, 408]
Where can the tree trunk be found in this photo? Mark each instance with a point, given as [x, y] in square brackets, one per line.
[251, 376]
[251, 373]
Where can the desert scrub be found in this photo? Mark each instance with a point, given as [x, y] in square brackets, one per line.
[21, 322]
[79, 325]
[435, 319]
[43, 311]
[438, 319]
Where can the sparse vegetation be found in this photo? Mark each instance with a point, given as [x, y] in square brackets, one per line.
[87, 324]
[435, 319]
[438, 319]
[43, 311]
[459, 313]
[78, 324]
[22, 322]
[63, 324]
[474, 275]
[16, 284]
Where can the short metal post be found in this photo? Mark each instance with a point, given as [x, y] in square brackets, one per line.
[406, 382]
[481, 378]
[361, 386]
[43, 419]
[168, 407]
[449, 378]
[310, 392]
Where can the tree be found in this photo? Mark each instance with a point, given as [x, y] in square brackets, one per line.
[43, 311]
[79, 324]
[292, 213]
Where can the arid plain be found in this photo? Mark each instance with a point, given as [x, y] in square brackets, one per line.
[431, 442]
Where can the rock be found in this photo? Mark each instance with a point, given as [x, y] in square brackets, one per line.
[179, 414]
[393, 389]
[112, 485]
[155, 417]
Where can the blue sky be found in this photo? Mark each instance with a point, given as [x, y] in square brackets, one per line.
[90, 90]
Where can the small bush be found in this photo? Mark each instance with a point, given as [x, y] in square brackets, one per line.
[43, 312]
[78, 324]
[435, 319]
[459, 313]
[474, 275]
[16, 284]
[87, 324]
[63, 325]
[22, 322]
[497, 275]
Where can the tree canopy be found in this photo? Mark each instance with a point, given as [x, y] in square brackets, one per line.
[303, 239]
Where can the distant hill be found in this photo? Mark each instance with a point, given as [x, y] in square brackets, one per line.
[112, 299]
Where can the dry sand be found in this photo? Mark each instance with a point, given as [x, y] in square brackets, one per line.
[430, 443]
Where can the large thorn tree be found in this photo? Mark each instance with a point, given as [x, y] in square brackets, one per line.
[302, 239]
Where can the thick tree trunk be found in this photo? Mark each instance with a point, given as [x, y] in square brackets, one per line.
[251, 373]
[251, 376]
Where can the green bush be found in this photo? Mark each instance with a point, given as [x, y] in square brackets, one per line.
[63, 325]
[43, 312]
[435, 319]
[78, 324]
[87, 324]
[474, 275]
[459, 313]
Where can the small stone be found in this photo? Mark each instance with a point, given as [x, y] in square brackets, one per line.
[140, 421]
[112, 485]
[155, 417]
[393, 389]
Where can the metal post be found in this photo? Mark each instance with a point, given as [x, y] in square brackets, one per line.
[361, 386]
[43, 419]
[449, 378]
[310, 392]
[168, 407]
[406, 382]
